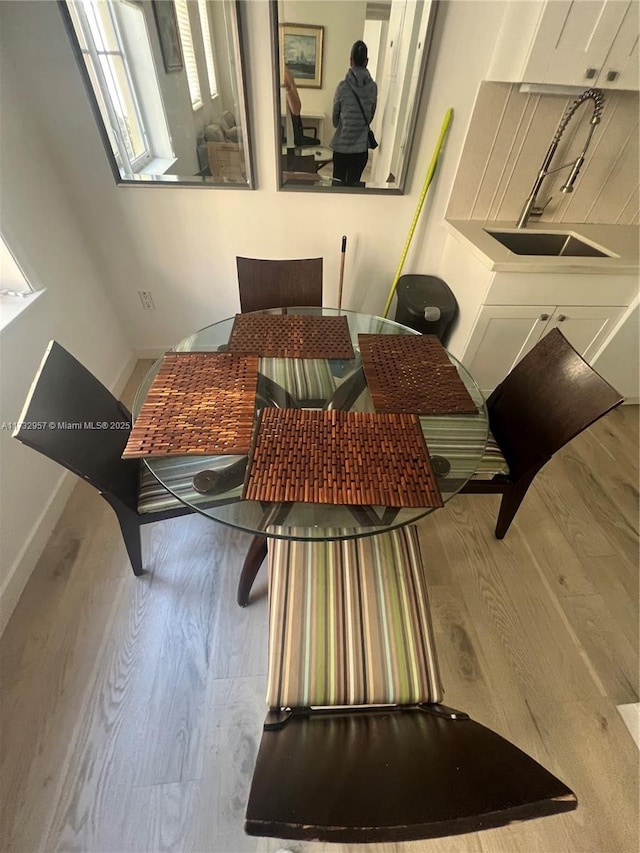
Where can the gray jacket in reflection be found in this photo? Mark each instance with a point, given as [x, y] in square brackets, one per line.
[351, 129]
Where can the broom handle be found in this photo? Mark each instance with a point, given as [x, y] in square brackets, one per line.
[427, 181]
[342, 254]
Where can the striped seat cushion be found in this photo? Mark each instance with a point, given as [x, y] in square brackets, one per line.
[454, 436]
[492, 462]
[178, 473]
[349, 623]
[306, 379]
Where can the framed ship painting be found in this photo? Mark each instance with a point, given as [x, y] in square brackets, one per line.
[301, 54]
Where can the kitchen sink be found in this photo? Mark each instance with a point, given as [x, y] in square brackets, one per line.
[557, 244]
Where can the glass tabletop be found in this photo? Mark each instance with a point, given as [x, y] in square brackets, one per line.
[213, 485]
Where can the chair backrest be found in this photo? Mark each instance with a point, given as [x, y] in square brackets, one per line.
[80, 425]
[279, 284]
[545, 401]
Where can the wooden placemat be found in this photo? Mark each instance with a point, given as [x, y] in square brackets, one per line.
[199, 403]
[412, 373]
[334, 457]
[291, 336]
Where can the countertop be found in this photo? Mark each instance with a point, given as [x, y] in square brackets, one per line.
[620, 240]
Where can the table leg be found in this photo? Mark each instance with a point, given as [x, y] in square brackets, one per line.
[252, 562]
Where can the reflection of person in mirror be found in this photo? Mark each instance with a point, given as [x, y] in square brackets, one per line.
[350, 141]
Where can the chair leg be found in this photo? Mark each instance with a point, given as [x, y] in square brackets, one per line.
[511, 500]
[252, 562]
[130, 527]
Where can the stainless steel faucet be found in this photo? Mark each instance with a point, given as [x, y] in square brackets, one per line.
[530, 208]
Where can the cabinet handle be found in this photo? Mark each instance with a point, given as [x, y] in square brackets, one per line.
[612, 75]
[590, 73]
[544, 316]
[562, 318]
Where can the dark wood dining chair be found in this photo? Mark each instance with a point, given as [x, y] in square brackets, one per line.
[548, 398]
[267, 284]
[357, 745]
[84, 428]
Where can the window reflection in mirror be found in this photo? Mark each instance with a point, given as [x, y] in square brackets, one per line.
[397, 34]
[166, 79]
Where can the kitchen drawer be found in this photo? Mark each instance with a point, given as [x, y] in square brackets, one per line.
[507, 288]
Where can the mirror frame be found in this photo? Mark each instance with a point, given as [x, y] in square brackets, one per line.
[394, 189]
[181, 182]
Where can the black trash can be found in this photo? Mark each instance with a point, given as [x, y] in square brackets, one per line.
[426, 304]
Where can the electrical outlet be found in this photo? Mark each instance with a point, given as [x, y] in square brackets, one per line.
[146, 299]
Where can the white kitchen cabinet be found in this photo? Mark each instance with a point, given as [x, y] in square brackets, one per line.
[618, 360]
[585, 327]
[504, 312]
[586, 43]
[503, 334]
[621, 68]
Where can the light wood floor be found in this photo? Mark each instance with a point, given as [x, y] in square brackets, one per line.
[132, 708]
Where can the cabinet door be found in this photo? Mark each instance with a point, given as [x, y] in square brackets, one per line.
[501, 336]
[621, 67]
[586, 329]
[573, 40]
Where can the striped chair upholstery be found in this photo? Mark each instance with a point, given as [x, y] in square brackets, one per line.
[349, 623]
[178, 474]
[450, 436]
[492, 462]
[306, 379]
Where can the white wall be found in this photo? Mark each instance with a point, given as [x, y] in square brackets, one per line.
[618, 362]
[40, 224]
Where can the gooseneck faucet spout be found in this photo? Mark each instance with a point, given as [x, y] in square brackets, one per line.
[530, 208]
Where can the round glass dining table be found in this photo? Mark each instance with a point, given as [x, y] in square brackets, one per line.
[213, 485]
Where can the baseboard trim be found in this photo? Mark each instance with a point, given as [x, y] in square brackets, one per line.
[152, 352]
[631, 717]
[27, 559]
[125, 374]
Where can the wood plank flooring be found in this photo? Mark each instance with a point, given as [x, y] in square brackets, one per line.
[131, 709]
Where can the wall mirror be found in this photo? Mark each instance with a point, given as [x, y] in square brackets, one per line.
[312, 40]
[166, 82]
